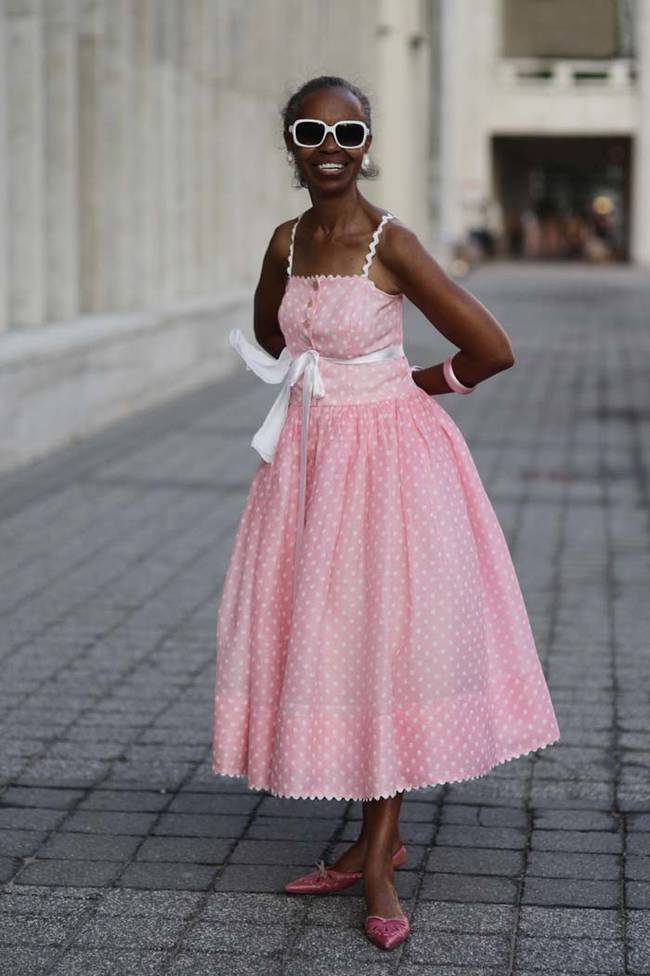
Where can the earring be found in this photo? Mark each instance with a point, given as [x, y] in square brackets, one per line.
[365, 162]
[289, 156]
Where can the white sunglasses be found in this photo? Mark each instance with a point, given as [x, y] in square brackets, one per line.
[310, 133]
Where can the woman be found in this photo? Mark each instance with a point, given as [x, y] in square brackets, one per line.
[372, 636]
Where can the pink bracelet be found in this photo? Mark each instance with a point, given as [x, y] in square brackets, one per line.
[452, 380]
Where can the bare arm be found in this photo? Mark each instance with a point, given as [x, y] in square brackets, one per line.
[484, 345]
[269, 291]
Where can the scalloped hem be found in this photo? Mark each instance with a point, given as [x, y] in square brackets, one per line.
[399, 789]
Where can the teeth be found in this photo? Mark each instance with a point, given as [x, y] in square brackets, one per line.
[330, 165]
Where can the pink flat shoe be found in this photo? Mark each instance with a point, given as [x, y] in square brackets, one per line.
[325, 880]
[386, 932]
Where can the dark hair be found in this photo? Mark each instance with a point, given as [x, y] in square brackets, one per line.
[291, 112]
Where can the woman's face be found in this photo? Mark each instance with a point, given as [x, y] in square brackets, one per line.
[330, 105]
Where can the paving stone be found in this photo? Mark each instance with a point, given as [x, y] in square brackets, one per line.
[638, 822]
[37, 929]
[34, 796]
[571, 892]
[588, 841]
[126, 932]
[574, 955]
[276, 852]
[239, 804]
[638, 844]
[639, 955]
[475, 860]
[271, 907]
[414, 969]
[109, 822]
[156, 876]
[196, 963]
[89, 847]
[412, 833]
[132, 902]
[595, 922]
[8, 868]
[467, 887]
[332, 944]
[99, 962]
[127, 801]
[480, 919]
[236, 937]
[480, 837]
[49, 871]
[300, 965]
[19, 818]
[456, 948]
[29, 960]
[21, 843]
[273, 828]
[188, 825]
[637, 894]
[548, 864]
[575, 820]
[275, 806]
[193, 850]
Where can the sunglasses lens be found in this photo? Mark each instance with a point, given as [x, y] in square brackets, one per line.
[350, 134]
[309, 133]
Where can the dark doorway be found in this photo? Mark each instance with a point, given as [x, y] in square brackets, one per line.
[563, 197]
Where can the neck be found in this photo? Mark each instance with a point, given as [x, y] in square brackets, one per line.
[336, 214]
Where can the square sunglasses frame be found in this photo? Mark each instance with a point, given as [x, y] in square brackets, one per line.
[329, 128]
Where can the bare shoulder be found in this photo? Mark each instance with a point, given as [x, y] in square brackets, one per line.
[280, 241]
[400, 243]
[274, 265]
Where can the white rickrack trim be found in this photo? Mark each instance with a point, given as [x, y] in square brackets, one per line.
[373, 243]
[293, 234]
[369, 256]
[385, 796]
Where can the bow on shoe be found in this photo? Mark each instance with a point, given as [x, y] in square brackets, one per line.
[322, 870]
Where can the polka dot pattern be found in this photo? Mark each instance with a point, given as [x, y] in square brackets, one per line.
[407, 658]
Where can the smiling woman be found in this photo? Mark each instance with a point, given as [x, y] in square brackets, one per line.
[372, 635]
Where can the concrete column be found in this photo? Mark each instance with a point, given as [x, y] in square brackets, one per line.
[26, 157]
[641, 158]
[451, 82]
[183, 148]
[4, 236]
[120, 169]
[61, 169]
[146, 214]
[403, 116]
[168, 202]
[94, 259]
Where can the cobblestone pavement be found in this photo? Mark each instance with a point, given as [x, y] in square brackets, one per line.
[123, 854]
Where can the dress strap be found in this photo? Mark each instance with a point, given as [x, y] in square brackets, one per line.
[373, 243]
[293, 235]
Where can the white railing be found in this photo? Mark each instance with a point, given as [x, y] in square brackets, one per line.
[613, 73]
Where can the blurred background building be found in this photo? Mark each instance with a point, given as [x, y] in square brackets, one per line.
[142, 168]
[545, 128]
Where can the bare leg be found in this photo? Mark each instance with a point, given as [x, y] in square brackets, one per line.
[354, 858]
[382, 829]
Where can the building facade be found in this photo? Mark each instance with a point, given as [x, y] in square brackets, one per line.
[142, 172]
[546, 126]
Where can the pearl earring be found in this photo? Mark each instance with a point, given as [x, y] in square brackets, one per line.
[365, 162]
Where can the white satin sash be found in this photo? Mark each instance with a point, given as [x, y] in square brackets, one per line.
[288, 370]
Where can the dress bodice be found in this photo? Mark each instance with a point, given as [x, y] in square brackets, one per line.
[344, 316]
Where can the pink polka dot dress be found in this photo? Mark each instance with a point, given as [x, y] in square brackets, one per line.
[371, 633]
